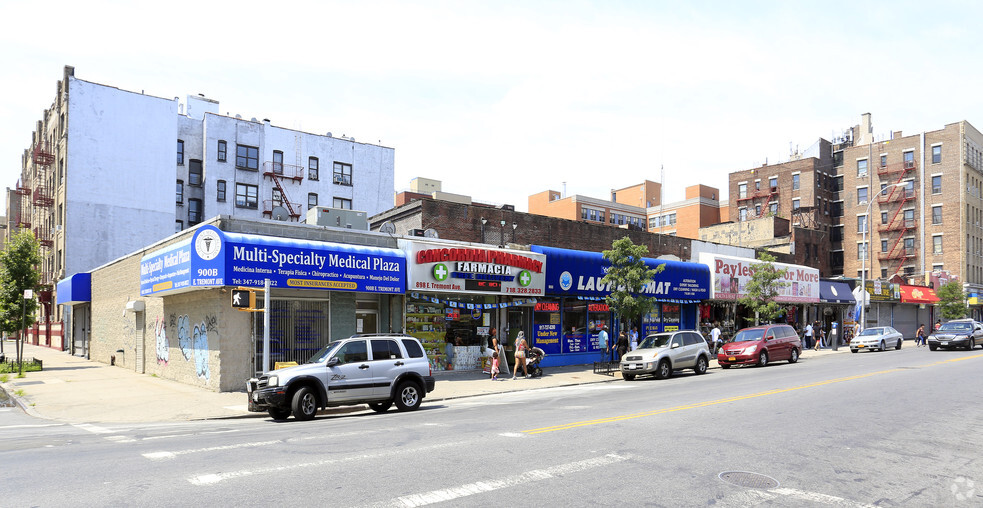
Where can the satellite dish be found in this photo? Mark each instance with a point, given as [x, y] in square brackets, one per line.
[279, 213]
[388, 228]
[430, 233]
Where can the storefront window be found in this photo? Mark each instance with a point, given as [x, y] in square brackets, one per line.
[670, 317]
[546, 326]
[652, 322]
[575, 328]
[438, 325]
[598, 315]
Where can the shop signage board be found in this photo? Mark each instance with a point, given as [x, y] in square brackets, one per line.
[732, 274]
[214, 258]
[464, 268]
[883, 291]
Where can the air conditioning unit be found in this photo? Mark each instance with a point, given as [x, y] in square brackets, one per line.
[417, 232]
[339, 178]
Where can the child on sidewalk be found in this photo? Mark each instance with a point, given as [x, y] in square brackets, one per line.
[494, 367]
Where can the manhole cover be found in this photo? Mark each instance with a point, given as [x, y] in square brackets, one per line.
[746, 479]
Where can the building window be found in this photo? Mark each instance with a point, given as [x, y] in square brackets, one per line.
[937, 267]
[936, 154]
[909, 246]
[837, 159]
[909, 217]
[220, 192]
[278, 162]
[180, 152]
[909, 159]
[247, 196]
[795, 182]
[312, 168]
[178, 226]
[343, 203]
[180, 191]
[936, 244]
[795, 205]
[937, 184]
[247, 157]
[222, 148]
[861, 195]
[883, 217]
[592, 214]
[757, 210]
[194, 173]
[741, 190]
[836, 209]
[861, 223]
[774, 208]
[194, 211]
[773, 182]
[861, 167]
[342, 173]
[757, 185]
[883, 245]
[883, 274]
[883, 161]
[311, 200]
[742, 214]
[277, 197]
[937, 214]
[861, 251]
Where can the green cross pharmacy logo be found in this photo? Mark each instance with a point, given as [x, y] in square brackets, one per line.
[525, 278]
[440, 272]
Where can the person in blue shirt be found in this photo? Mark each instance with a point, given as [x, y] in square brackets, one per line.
[602, 342]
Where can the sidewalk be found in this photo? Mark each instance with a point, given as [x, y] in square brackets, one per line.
[76, 390]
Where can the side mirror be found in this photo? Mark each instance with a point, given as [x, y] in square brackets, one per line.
[675, 345]
[333, 361]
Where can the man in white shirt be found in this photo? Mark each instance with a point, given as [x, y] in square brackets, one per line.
[633, 338]
[715, 337]
[808, 336]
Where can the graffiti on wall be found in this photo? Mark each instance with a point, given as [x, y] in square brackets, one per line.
[163, 348]
[184, 336]
[200, 345]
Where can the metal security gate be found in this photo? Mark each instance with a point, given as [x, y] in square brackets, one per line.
[298, 329]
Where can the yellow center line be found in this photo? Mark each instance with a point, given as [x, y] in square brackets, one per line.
[612, 419]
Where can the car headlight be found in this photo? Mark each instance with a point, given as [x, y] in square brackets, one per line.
[751, 349]
[273, 381]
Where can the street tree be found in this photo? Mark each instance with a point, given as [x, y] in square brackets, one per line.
[952, 301]
[764, 286]
[627, 275]
[19, 261]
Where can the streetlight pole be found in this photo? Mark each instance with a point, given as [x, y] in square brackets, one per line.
[863, 262]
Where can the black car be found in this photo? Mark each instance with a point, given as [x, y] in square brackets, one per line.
[959, 333]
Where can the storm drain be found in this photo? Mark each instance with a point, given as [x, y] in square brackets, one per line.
[750, 480]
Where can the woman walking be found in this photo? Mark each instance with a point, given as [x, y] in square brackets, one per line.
[920, 336]
[622, 345]
[520, 355]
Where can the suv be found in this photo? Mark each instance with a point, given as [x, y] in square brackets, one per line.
[377, 370]
[965, 333]
[761, 344]
[661, 353]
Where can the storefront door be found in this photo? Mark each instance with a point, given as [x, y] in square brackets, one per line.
[367, 316]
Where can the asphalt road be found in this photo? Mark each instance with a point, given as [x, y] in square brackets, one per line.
[898, 428]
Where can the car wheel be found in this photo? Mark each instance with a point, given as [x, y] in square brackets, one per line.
[853, 350]
[304, 404]
[794, 357]
[664, 370]
[279, 414]
[381, 407]
[763, 359]
[881, 347]
[724, 366]
[408, 397]
[701, 365]
[932, 347]
[628, 377]
[898, 346]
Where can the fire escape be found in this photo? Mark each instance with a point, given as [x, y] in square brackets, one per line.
[898, 226]
[768, 193]
[277, 172]
[23, 218]
[42, 198]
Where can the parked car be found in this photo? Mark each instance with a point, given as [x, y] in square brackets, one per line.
[377, 370]
[877, 337]
[759, 345]
[964, 333]
[661, 353]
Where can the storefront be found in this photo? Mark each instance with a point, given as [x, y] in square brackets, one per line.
[836, 304]
[567, 320]
[916, 308]
[730, 277]
[457, 293]
[882, 301]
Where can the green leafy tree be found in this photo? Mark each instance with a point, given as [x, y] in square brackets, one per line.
[765, 285]
[952, 300]
[18, 271]
[627, 275]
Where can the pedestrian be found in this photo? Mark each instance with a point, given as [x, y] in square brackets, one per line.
[938, 324]
[520, 355]
[494, 367]
[633, 338]
[808, 336]
[818, 333]
[856, 328]
[449, 349]
[602, 342]
[622, 346]
[920, 335]
[492, 341]
[715, 337]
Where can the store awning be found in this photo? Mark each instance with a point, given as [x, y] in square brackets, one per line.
[75, 289]
[835, 292]
[918, 294]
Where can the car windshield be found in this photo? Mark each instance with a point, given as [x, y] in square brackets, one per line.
[956, 327]
[873, 331]
[654, 341]
[324, 353]
[749, 335]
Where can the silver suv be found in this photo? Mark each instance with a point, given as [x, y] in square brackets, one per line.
[377, 370]
[661, 353]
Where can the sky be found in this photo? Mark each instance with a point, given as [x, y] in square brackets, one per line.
[501, 100]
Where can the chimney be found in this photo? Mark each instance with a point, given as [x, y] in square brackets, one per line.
[866, 130]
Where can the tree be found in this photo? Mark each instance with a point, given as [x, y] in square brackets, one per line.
[18, 271]
[765, 284]
[952, 301]
[628, 274]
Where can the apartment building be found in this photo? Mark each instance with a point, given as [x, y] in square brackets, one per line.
[627, 207]
[702, 207]
[109, 171]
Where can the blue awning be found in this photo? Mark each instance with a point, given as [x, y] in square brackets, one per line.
[579, 273]
[835, 292]
[75, 289]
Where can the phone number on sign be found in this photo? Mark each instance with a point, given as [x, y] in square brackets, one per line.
[524, 291]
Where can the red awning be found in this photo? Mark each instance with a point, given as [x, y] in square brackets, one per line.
[918, 294]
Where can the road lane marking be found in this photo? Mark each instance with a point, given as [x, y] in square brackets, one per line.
[95, 429]
[817, 497]
[470, 489]
[171, 455]
[612, 419]
[211, 479]
[31, 426]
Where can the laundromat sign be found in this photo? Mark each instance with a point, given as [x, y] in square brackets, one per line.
[452, 268]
